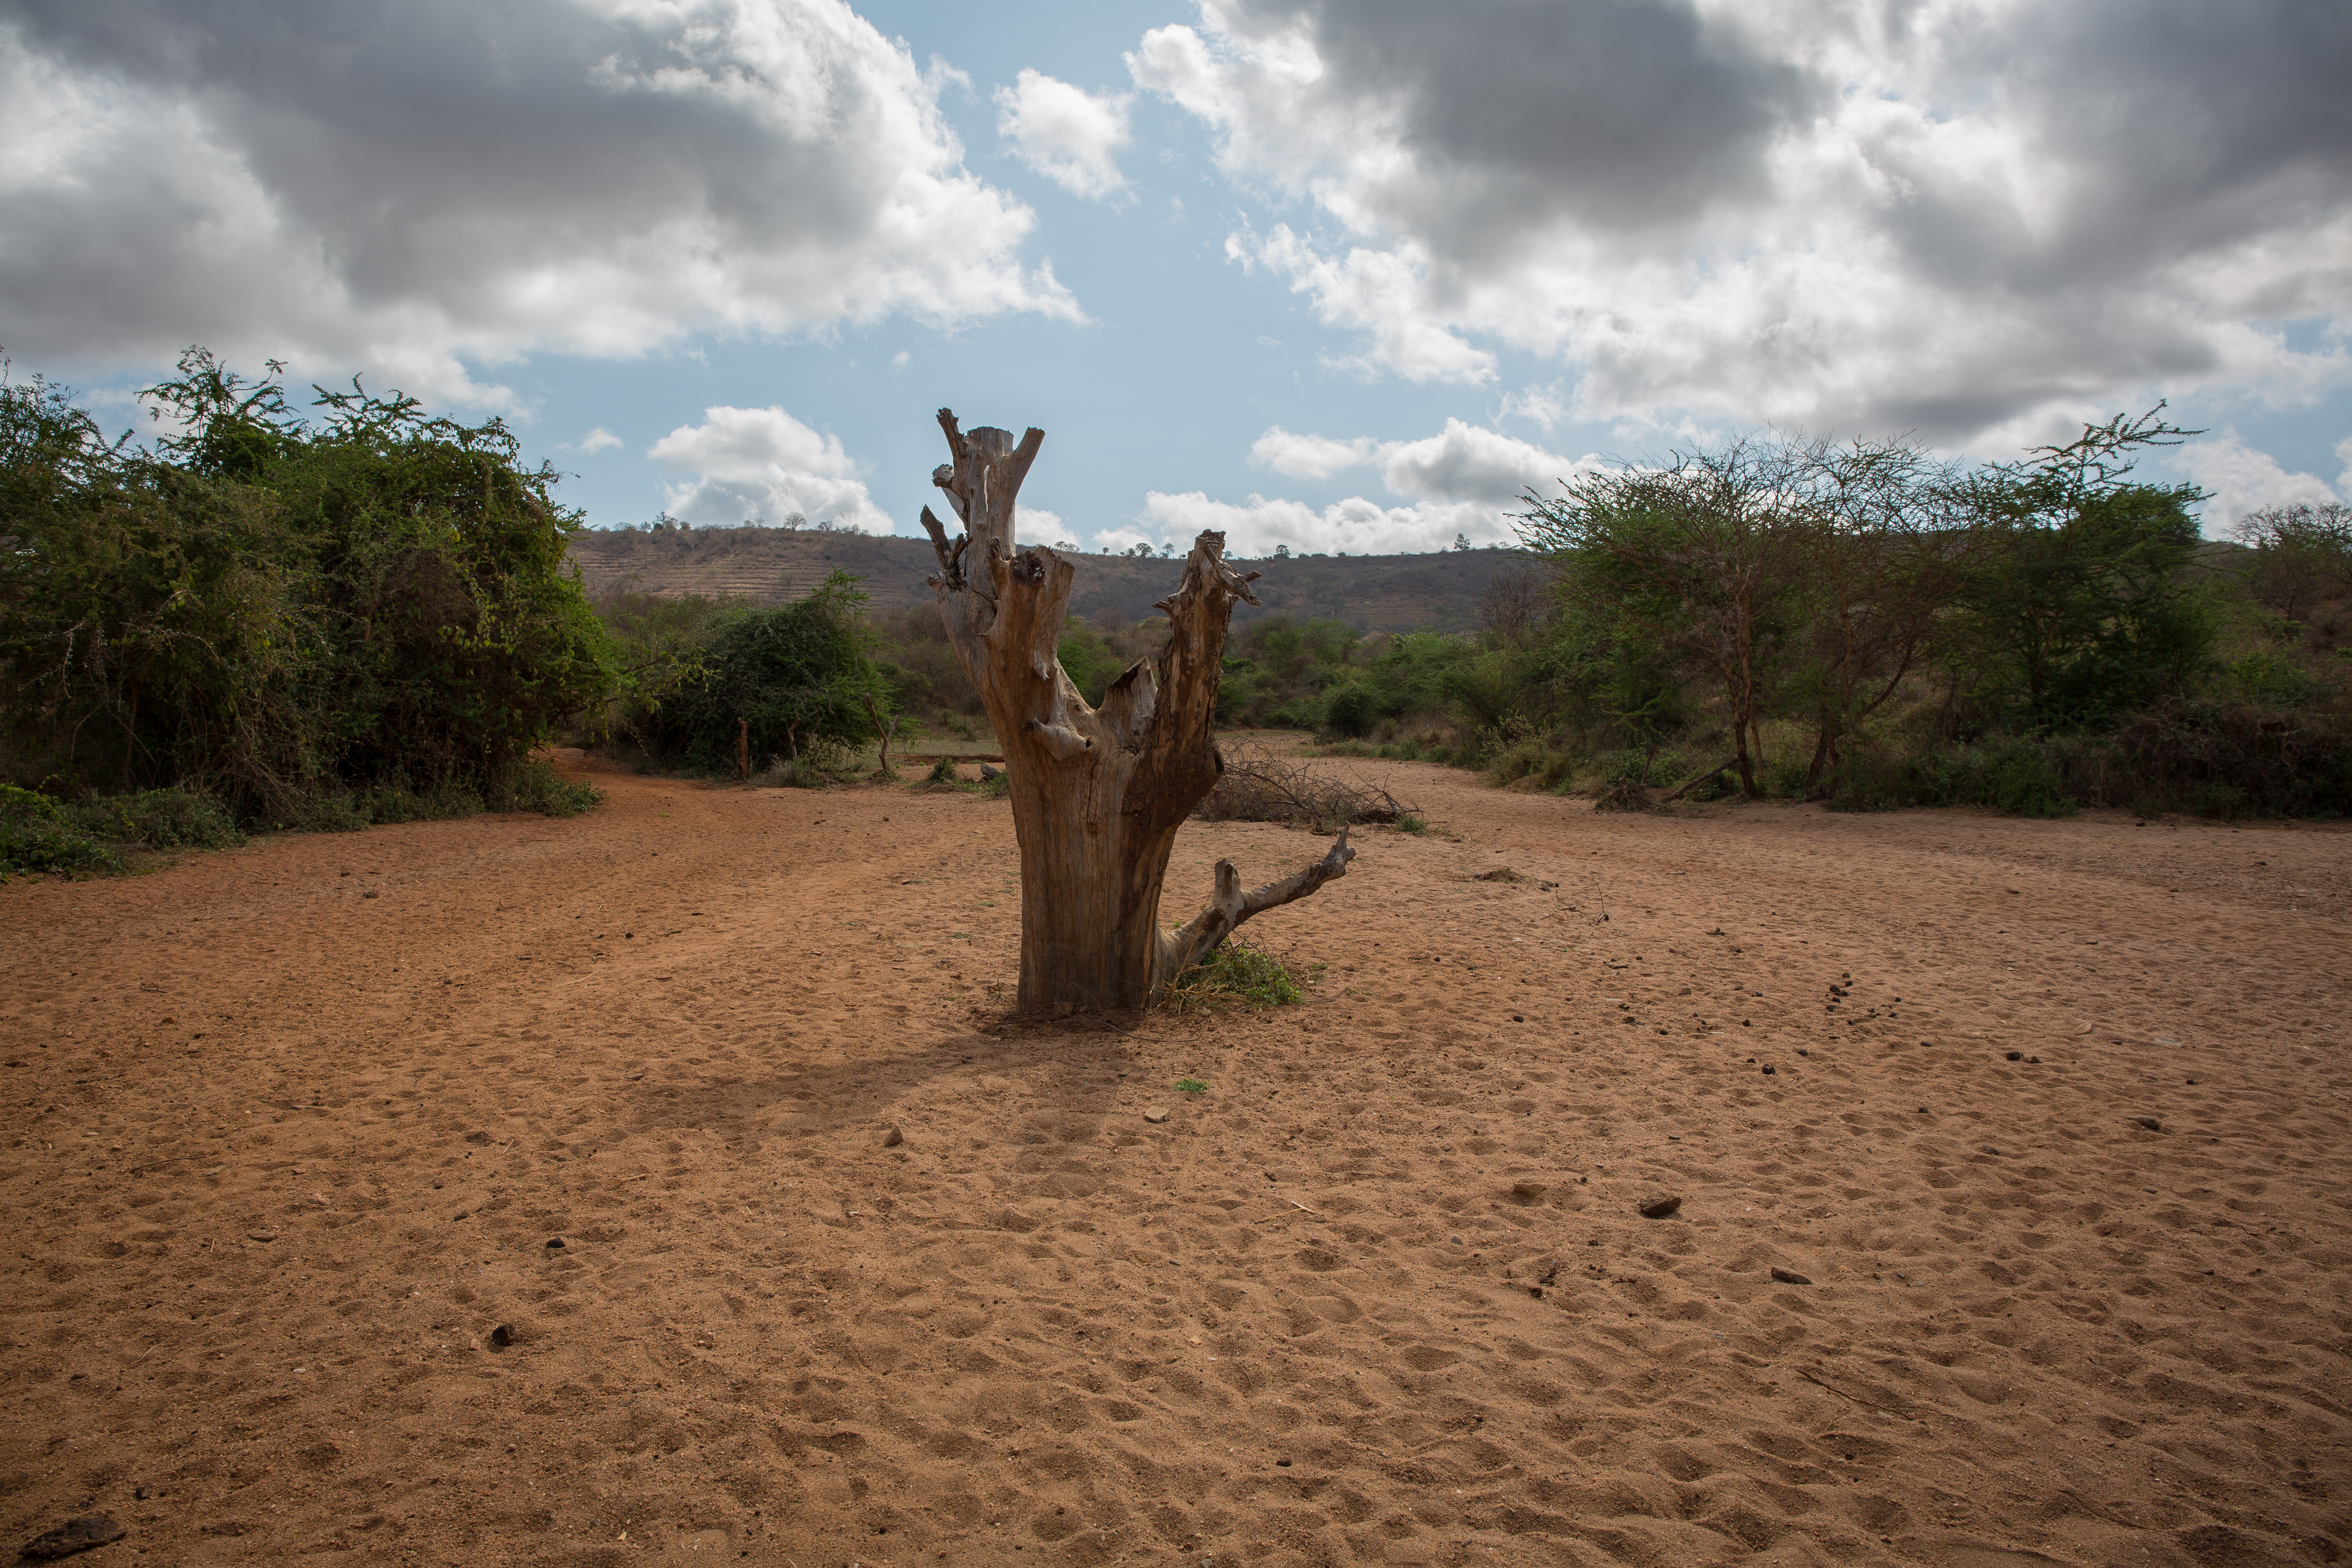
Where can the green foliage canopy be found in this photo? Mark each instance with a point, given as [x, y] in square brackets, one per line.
[799, 679]
[273, 610]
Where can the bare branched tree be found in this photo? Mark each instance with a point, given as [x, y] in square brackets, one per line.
[1097, 793]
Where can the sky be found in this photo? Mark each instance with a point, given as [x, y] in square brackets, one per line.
[1339, 275]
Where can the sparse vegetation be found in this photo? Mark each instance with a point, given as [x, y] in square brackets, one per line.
[1237, 972]
[39, 834]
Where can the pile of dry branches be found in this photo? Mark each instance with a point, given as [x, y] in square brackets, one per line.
[1258, 786]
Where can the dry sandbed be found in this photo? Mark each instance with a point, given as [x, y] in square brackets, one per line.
[293, 1130]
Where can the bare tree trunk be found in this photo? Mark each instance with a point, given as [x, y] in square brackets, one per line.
[889, 729]
[1097, 793]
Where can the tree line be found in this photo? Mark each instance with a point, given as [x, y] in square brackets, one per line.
[265, 616]
[1869, 625]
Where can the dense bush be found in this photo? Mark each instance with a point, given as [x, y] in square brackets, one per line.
[78, 837]
[797, 684]
[1871, 627]
[287, 614]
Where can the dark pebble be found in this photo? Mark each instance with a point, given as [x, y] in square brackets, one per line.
[1789, 1277]
[2153, 1123]
[1537, 1291]
[501, 1337]
[2013, 1055]
[893, 1138]
[555, 1243]
[1768, 1072]
[1659, 1205]
[74, 1535]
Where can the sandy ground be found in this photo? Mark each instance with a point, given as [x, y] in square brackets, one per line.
[292, 1131]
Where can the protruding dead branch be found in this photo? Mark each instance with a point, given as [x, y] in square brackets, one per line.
[1229, 906]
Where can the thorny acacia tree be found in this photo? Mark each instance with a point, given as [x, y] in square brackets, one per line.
[1698, 556]
[1097, 793]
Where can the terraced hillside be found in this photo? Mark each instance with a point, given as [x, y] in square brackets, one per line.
[773, 566]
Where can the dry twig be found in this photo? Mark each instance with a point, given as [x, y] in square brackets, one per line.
[1258, 786]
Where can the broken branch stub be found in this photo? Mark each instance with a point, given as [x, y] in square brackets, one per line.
[1098, 794]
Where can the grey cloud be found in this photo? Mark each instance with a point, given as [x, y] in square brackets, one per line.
[1962, 220]
[1623, 111]
[482, 179]
[1623, 114]
[2176, 129]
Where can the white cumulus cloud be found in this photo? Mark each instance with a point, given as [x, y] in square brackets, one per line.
[421, 193]
[1466, 479]
[2242, 478]
[1308, 456]
[758, 464]
[1966, 218]
[597, 440]
[1356, 525]
[1069, 135]
[1462, 462]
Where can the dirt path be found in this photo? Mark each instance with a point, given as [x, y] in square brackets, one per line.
[292, 1131]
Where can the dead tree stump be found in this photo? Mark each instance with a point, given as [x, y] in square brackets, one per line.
[1097, 793]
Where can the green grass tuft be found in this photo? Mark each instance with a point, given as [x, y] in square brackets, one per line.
[1237, 972]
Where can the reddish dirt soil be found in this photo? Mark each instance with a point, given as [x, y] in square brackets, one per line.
[293, 1130]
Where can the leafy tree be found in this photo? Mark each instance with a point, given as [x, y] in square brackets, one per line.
[2077, 607]
[1881, 566]
[275, 610]
[799, 680]
[1698, 557]
[2303, 555]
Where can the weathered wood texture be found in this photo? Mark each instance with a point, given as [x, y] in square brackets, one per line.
[1097, 793]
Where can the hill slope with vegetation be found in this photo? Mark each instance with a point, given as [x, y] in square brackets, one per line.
[1438, 592]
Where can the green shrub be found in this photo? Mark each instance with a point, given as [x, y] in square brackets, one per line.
[796, 682]
[1237, 972]
[537, 787]
[159, 819]
[37, 835]
[88, 837]
[275, 612]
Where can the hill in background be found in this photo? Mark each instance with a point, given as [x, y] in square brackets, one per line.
[1438, 592]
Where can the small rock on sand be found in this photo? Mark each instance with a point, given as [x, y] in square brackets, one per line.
[74, 1535]
[1155, 1113]
[1789, 1277]
[1528, 1192]
[1661, 1206]
[2153, 1123]
[892, 1137]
